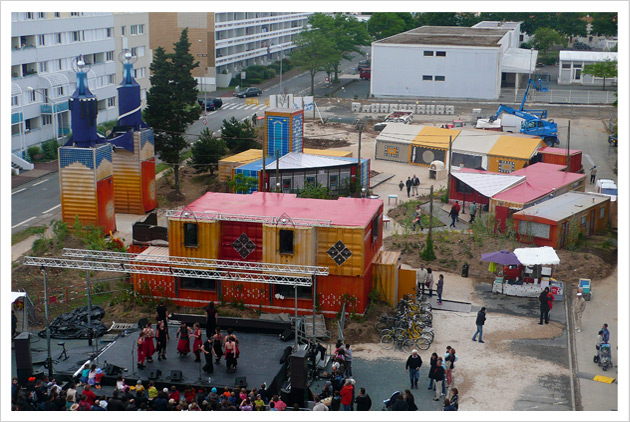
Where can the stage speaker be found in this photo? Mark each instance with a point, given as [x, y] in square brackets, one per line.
[22, 344]
[113, 370]
[299, 370]
[153, 375]
[240, 382]
[286, 354]
[23, 374]
[299, 396]
[287, 335]
[176, 375]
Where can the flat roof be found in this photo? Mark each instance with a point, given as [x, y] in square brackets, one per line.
[448, 36]
[435, 137]
[243, 157]
[488, 184]
[496, 24]
[521, 148]
[476, 142]
[564, 206]
[558, 151]
[399, 133]
[298, 160]
[587, 56]
[350, 212]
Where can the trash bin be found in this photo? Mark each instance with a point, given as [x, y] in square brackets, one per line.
[465, 270]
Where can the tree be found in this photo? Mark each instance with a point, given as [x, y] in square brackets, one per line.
[172, 101]
[468, 19]
[242, 184]
[315, 191]
[207, 152]
[385, 24]
[239, 136]
[605, 69]
[436, 19]
[604, 23]
[313, 52]
[545, 38]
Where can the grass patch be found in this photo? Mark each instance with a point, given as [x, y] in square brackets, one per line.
[26, 233]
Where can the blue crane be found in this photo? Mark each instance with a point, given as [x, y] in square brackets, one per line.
[532, 124]
[542, 86]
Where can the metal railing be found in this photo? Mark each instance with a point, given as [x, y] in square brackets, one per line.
[566, 96]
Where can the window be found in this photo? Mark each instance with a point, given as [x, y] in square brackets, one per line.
[57, 14]
[122, 30]
[109, 56]
[137, 29]
[286, 184]
[286, 241]
[566, 65]
[440, 78]
[59, 64]
[28, 15]
[41, 15]
[310, 181]
[111, 79]
[43, 67]
[74, 13]
[59, 91]
[602, 212]
[109, 32]
[190, 235]
[76, 36]
[375, 226]
[140, 51]
[428, 53]
[533, 229]
[427, 77]
[333, 182]
[46, 119]
[140, 73]
[111, 102]
[197, 284]
[15, 101]
[58, 37]
[41, 40]
[583, 221]
[32, 96]
[289, 291]
[134, 51]
[440, 53]
[577, 66]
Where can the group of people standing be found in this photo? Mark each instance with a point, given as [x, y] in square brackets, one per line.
[424, 280]
[440, 376]
[151, 341]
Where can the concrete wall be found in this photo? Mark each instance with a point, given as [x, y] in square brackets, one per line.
[469, 72]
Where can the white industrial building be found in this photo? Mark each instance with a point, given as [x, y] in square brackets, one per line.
[451, 62]
[43, 48]
[571, 67]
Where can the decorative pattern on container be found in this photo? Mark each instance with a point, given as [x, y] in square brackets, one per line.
[341, 249]
[241, 241]
[283, 131]
[80, 171]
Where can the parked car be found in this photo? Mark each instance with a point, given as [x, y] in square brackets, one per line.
[607, 187]
[249, 92]
[212, 104]
[581, 46]
[363, 64]
[365, 73]
[612, 140]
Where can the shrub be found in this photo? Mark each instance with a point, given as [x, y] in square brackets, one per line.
[50, 149]
[32, 151]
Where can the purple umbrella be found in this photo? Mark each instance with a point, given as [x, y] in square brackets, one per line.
[502, 257]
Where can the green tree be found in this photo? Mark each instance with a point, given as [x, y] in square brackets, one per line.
[436, 19]
[313, 52]
[605, 69]
[385, 24]
[468, 19]
[172, 101]
[545, 38]
[242, 184]
[317, 191]
[604, 23]
[239, 136]
[207, 152]
[428, 253]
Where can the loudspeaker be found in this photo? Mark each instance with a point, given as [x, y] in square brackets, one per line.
[23, 374]
[23, 359]
[299, 370]
[240, 382]
[153, 375]
[111, 370]
[287, 335]
[286, 354]
[176, 375]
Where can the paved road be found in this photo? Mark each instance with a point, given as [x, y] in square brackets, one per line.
[35, 203]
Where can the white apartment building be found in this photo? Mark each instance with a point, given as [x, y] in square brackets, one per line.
[43, 48]
[131, 32]
[228, 42]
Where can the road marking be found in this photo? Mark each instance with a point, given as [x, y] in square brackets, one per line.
[18, 191]
[229, 106]
[23, 222]
[241, 107]
[49, 210]
[260, 107]
[40, 182]
[250, 106]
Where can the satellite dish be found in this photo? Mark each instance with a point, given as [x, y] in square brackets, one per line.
[79, 64]
[126, 56]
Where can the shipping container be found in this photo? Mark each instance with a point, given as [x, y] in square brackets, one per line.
[241, 241]
[289, 245]
[149, 198]
[228, 164]
[511, 153]
[386, 267]
[193, 238]
[553, 155]
[394, 142]
[431, 144]
[342, 250]
[283, 131]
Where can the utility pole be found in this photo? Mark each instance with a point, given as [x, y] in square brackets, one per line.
[278, 171]
[264, 149]
[89, 297]
[448, 180]
[49, 361]
[430, 209]
[566, 170]
[360, 126]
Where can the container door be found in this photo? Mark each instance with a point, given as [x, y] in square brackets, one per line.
[241, 241]
[564, 233]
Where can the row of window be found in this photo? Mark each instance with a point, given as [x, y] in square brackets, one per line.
[133, 29]
[541, 230]
[430, 53]
[433, 78]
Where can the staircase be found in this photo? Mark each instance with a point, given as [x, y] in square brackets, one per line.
[20, 163]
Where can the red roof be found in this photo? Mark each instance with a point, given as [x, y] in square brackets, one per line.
[558, 151]
[541, 179]
[355, 212]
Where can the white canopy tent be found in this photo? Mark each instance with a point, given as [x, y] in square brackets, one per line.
[545, 255]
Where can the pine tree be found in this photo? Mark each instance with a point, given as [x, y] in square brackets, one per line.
[207, 152]
[239, 136]
[172, 101]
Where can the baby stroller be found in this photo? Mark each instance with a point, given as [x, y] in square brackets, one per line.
[604, 356]
[387, 404]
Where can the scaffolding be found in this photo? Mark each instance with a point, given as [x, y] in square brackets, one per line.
[217, 216]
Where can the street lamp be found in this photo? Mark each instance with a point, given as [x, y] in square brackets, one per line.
[30, 88]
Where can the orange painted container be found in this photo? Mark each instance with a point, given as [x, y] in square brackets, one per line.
[349, 242]
[149, 199]
[81, 194]
[207, 239]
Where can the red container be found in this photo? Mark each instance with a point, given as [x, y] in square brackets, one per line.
[106, 213]
[149, 200]
[559, 156]
[236, 247]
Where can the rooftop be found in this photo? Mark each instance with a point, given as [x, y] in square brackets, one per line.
[564, 206]
[448, 36]
[350, 212]
[588, 56]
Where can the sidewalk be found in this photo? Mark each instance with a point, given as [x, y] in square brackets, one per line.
[40, 170]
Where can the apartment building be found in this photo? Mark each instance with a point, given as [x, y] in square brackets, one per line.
[44, 46]
[228, 42]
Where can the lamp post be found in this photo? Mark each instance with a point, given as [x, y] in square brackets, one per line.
[43, 93]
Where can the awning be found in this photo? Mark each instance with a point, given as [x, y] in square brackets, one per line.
[516, 147]
[519, 60]
[488, 185]
[16, 295]
[545, 255]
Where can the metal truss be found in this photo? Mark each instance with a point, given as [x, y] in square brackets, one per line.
[198, 262]
[122, 267]
[282, 220]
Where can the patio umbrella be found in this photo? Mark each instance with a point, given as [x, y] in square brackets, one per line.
[501, 257]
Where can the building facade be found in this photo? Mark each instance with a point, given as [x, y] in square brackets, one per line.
[44, 46]
[572, 63]
[228, 42]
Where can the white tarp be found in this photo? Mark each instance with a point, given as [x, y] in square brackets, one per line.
[519, 60]
[298, 160]
[488, 184]
[16, 295]
[545, 255]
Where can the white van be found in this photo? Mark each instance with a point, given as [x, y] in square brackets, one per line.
[607, 187]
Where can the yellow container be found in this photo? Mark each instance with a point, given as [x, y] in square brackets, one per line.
[127, 182]
[327, 152]
[228, 164]
[385, 275]
[303, 245]
[207, 239]
[353, 239]
[78, 195]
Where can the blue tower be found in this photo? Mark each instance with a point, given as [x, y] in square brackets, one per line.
[129, 102]
[83, 109]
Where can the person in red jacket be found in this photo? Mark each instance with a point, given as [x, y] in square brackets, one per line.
[346, 394]
[550, 298]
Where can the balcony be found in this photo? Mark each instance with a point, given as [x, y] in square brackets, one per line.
[58, 108]
[218, 26]
[259, 52]
[255, 37]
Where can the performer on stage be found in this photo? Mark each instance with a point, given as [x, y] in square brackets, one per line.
[141, 356]
[183, 334]
[217, 345]
[197, 342]
[161, 335]
[149, 345]
[208, 352]
[211, 319]
[231, 355]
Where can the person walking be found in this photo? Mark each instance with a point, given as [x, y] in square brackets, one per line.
[417, 218]
[208, 353]
[348, 356]
[149, 344]
[212, 318]
[433, 364]
[550, 299]
[363, 401]
[453, 215]
[438, 379]
[579, 304]
[473, 212]
[429, 281]
[414, 362]
[141, 349]
[408, 183]
[544, 306]
[231, 356]
[415, 182]
[440, 288]
[605, 334]
[401, 185]
[593, 173]
[197, 342]
[161, 335]
[450, 359]
[458, 209]
[217, 345]
[421, 277]
[161, 313]
[480, 321]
